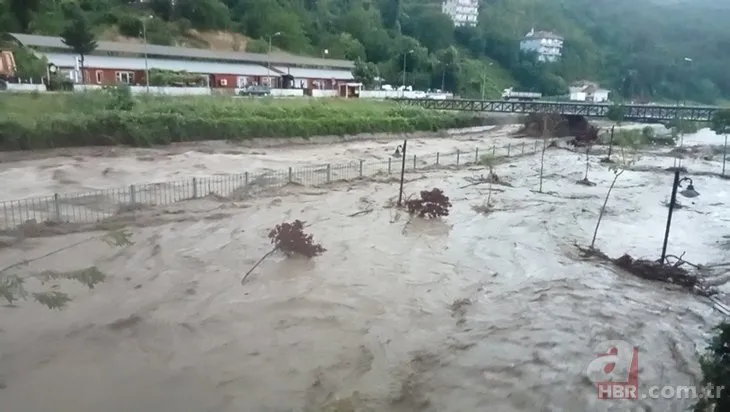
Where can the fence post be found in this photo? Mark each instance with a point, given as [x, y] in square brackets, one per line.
[437, 158]
[290, 175]
[523, 147]
[329, 173]
[195, 188]
[414, 162]
[390, 164]
[132, 196]
[494, 150]
[509, 148]
[457, 157]
[535, 150]
[361, 161]
[57, 207]
[245, 178]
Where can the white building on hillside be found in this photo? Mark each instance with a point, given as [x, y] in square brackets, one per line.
[548, 46]
[462, 12]
[588, 92]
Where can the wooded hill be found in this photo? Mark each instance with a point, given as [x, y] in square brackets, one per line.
[636, 47]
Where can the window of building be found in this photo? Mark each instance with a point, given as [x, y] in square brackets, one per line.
[125, 77]
[99, 77]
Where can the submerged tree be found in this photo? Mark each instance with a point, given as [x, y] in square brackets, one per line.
[290, 239]
[618, 169]
[433, 203]
[550, 124]
[585, 181]
[616, 114]
[13, 285]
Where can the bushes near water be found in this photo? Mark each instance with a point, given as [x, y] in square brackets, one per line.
[114, 117]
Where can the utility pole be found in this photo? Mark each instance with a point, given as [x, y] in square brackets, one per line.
[404, 69]
[146, 63]
[484, 85]
[268, 58]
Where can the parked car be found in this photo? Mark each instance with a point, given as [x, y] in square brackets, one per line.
[255, 90]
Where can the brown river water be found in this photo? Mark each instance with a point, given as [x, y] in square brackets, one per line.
[475, 312]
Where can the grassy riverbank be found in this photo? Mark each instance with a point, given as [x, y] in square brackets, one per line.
[114, 117]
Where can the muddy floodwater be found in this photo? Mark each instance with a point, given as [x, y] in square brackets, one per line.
[474, 312]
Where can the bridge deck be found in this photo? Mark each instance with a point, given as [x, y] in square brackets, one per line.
[632, 111]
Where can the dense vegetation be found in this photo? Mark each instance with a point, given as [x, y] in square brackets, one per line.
[637, 48]
[116, 117]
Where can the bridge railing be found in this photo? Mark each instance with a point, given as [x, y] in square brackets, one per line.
[632, 112]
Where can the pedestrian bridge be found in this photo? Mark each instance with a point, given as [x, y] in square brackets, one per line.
[634, 112]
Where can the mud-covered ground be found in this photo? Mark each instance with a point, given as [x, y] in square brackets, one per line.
[474, 312]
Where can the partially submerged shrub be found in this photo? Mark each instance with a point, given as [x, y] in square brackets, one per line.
[433, 203]
[291, 239]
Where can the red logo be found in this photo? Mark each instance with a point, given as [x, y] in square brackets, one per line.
[615, 371]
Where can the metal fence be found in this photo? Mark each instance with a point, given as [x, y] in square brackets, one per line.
[103, 205]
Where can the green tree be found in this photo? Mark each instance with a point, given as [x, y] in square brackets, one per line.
[204, 14]
[365, 73]
[448, 63]
[164, 9]
[23, 10]
[721, 122]
[432, 28]
[264, 18]
[78, 34]
[715, 365]
[721, 125]
[616, 113]
[257, 46]
[345, 46]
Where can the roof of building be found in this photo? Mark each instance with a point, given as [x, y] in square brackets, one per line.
[133, 63]
[542, 35]
[32, 40]
[586, 86]
[590, 89]
[315, 73]
[68, 60]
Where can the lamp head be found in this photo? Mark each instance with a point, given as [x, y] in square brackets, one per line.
[689, 192]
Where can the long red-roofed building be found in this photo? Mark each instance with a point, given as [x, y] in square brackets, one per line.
[125, 63]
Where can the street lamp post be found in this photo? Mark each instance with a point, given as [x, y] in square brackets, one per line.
[690, 192]
[268, 57]
[405, 55]
[443, 78]
[146, 64]
[680, 119]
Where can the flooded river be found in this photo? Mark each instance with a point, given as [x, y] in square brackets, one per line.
[471, 313]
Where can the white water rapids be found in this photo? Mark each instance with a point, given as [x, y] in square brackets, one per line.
[475, 312]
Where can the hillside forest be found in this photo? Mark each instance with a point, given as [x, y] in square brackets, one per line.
[641, 49]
